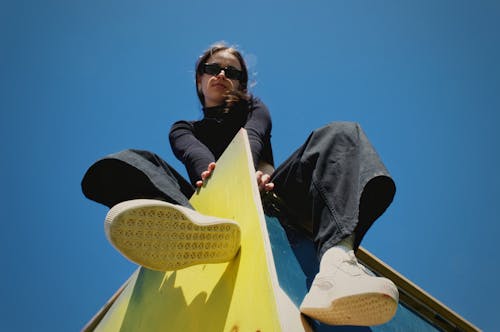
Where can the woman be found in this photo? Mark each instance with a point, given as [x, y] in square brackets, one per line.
[336, 178]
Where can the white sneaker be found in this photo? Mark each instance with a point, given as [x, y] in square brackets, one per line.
[165, 237]
[349, 294]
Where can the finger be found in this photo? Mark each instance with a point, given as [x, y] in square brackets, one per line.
[205, 175]
[210, 169]
[199, 183]
[265, 178]
[258, 175]
[269, 186]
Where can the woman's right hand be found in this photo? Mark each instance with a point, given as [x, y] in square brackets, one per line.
[205, 175]
[264, 181]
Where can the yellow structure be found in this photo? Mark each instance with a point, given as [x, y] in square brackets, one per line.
[241, 295]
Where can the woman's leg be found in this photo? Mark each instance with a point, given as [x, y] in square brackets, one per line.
[132, 174]
[338, 181]
[339, 186]
[151, 220]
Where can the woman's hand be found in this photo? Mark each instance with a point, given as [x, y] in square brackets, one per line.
[262, 178]
[206, 174]
[263, 181]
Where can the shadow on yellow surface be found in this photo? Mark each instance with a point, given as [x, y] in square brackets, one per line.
[159, 290]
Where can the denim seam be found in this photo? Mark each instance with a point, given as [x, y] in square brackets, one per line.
[322, 192]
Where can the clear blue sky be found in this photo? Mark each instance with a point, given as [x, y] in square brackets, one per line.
[81, 79]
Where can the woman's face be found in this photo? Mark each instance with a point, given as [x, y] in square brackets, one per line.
[215, 86]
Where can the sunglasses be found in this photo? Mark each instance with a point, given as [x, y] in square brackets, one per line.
[214, 69]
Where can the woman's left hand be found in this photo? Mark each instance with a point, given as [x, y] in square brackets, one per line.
[263, 181]
[205, 175]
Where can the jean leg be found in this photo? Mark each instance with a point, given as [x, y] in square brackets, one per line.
[132, 174]
[327, 178]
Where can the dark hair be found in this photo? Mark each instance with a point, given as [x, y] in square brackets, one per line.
[232, 97]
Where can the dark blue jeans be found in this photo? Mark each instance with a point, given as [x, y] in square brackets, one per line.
[333, 186]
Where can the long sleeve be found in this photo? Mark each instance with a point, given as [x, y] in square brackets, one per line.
[189, 150]
[198, 143]
[259, 126]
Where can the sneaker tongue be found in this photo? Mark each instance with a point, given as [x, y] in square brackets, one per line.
[334, 258]
[352, 258]
[337, 258]
[356, 268]
[351, 266]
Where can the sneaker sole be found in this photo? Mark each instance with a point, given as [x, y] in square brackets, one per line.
[163, 237]
[367, 309]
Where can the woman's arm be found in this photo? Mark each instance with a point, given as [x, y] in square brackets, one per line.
[190, 151]
[258, 128]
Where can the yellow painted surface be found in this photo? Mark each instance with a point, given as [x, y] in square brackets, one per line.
[113, 320]
[234, 296]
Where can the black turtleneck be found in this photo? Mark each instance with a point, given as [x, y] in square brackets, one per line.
[198, 143]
